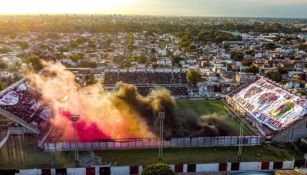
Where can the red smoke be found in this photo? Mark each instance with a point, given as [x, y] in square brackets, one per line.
[85, 130]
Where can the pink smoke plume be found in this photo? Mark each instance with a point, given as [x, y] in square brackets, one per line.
[102, 114]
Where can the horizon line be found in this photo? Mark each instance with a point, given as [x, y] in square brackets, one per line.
[145, 15]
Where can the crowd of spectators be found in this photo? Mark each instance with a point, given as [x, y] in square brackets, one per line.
[236, 90]
[141, 78]
[175, 90]
[26, 105]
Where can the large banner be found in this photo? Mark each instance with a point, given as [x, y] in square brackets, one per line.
[12, 97]
[270, 104]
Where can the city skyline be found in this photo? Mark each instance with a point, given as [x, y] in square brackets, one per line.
[232, 8]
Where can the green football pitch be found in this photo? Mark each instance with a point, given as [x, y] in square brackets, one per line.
[209, 107]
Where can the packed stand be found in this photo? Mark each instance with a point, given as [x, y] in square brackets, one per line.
[23, 102]
[236, 90]
[141, 78]
[270, 104]
[175, 91]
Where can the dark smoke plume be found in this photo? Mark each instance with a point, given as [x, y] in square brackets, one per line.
[178, 122]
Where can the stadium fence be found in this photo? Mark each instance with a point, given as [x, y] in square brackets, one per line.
[179, 168]
[51, 146]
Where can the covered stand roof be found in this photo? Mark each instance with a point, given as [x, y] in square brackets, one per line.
[21, 104]
[270, 104]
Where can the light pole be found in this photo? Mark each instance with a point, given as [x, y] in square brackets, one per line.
[74, 119]
[161, 116]
[240, 141]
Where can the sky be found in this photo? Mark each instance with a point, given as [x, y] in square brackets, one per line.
[239, 8]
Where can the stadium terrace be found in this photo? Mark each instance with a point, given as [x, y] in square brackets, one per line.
[20, 103]
[270, 109]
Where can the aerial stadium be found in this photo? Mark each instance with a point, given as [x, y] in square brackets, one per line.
[125, 116]
[128, 116]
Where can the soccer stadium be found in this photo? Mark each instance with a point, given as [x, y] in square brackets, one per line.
[204, 123]
[25, 110]
[267, 111]
[153, 87]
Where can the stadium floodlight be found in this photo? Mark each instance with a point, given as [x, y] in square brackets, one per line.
[240, 140]
[161, 116]
[74, 118]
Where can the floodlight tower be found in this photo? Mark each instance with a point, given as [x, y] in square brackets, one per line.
[161, 116]
[240, 141]
[74, 118]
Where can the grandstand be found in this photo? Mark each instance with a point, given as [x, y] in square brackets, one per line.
[271, 109]
[178, 91]
[146, 80]
[143, 77]
[23, 111]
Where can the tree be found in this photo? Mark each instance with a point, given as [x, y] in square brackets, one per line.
[76, 56]
[35, 62]
[92, 44]
[22, 44]
[177, 59]
[3, 65]
[270, 46]
[185, 44]
[53, 36]
[15, 67]
[226, 46]
[130, 41]
[73, 44]
[2, 86]
[88, 64]
[216, 36]
[246, 62]
[90, 79]
[193, 77]
[283, 41]
[153, 51]
[253, 69]
[5, 50]
[140, 59]
[250, 52]
[158, 169]
[274, 75]
[236, 55]
[301, 47]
